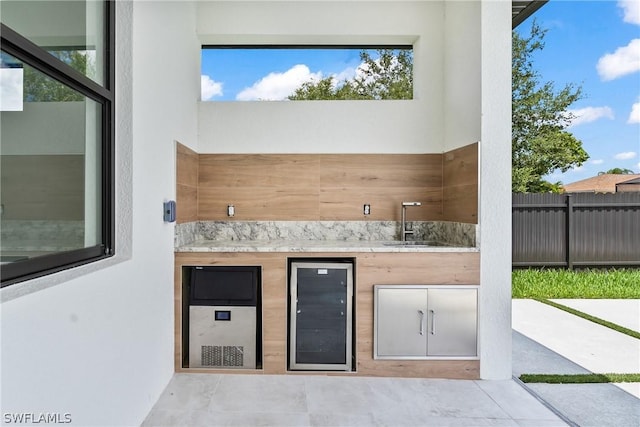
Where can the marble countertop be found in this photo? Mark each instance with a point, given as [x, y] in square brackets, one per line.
[316, 246]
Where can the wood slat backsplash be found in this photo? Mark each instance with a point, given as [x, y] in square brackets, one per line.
[316, 187]
[460, 184]
[186, 184]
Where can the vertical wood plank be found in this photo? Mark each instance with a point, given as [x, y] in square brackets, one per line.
[460, 184]
[187, 162]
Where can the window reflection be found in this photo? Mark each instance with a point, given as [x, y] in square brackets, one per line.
[72, 31]
[49, 163]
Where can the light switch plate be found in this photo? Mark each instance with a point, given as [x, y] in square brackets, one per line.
[170, 211]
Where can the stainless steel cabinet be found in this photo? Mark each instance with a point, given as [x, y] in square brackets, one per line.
[421, 322]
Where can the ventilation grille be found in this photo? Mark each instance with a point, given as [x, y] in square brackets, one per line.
[217, 355]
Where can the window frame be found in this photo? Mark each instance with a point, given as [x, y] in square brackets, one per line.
[35, 56]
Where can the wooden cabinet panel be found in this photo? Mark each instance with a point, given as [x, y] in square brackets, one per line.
[329, 186]
[371, 269]
[259, 170]
[319, 186]
[186, 184]
[186, 203]
[186, 166]
[381, 170]
[460, 184]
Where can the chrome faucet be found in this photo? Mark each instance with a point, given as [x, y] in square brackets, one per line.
[404, 218]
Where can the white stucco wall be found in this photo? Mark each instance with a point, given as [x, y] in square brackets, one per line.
[412, 126]
[97, 342]
[462, 75]
[495, 192]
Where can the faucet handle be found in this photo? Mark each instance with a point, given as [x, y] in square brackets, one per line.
[411, 204]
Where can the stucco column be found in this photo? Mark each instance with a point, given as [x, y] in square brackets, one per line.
[495, 191]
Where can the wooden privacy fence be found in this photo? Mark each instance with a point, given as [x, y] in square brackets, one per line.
[576, 229]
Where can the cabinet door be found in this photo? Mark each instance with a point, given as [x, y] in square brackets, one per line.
[401, 323]
[452, 322]
[321, 317]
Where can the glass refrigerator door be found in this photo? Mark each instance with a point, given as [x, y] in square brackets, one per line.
[321, 316]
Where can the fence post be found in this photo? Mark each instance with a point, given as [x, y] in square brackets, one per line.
[569, 232]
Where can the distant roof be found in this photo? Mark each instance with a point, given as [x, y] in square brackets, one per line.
[605, 183]
[631, 181]
[521, 10]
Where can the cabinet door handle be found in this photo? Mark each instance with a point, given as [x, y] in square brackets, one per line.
[433, 322]
[421, 321]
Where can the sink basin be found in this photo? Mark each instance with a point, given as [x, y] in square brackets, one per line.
[415, 243]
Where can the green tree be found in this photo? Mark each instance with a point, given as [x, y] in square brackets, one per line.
[617, 171]
[540, 142]
[388, 76]
[38, 87]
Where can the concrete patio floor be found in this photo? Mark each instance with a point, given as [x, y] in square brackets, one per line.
[312, 400]
[545, 340]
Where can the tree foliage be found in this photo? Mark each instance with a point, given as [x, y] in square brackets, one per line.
[540, 142]
[38, 87]
[617, 171]
[388, 76]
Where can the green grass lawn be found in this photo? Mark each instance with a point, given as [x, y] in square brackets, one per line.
[580, 378]
[558, 283]
[545, 284]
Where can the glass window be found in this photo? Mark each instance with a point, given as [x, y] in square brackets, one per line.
[72, 31]
[56, 160]
[275, 73]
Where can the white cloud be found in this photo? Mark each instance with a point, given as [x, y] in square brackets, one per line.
[278, 86]
[209, 88]
[626, 155]
[590, 114]
[596, 161]
[625, 60]
[634, 116]
[346, 74]
[11, 84]
[631, 11]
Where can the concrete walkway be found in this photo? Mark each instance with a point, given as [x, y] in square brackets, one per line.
[547, 340]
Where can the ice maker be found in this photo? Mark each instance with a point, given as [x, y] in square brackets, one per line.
[223, 317]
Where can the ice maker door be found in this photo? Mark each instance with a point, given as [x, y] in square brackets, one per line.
[222, 337]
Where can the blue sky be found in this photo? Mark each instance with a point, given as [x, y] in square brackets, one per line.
[270, 74]
[595, 44]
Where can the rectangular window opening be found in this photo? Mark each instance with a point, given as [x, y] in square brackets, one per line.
[293, 73]
[56, 127]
